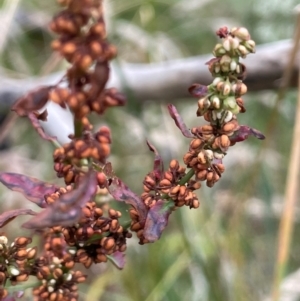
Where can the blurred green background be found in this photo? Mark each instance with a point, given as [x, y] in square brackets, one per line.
[226, 249]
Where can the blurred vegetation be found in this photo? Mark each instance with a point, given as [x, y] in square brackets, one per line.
[226, 249]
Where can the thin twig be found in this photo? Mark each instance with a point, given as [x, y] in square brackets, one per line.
[286, 223]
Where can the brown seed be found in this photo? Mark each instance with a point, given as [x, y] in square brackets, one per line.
[169, 176]
[187, 158]
[68, 48]
[101, 258]
[174, 164]
[174, 190]
[21, 254]
[182, 190]
[135, 227]
[57, 273]
[210, 176]
[195, 144]
[149, 182]
[55, 45]
[96, 48]
[53, 296]
[195, 204]
[21, 242]
[22, 277]
[165, 183]
[224, 142]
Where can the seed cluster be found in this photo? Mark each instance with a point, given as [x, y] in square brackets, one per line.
[16, 261]
[89, 241]
[90, 146]
[220, 105]
[82, 42]
[58, 282]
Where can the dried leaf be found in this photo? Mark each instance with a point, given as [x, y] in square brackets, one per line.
[99, 79]
[34, 119]
[33, 189]
[66, 210]
[244, 132]
[32, 101]
[158, 167]
[179, 122]
[157, 220]
[8, 216]
[118, 259]
[198, 90]
[122, 193]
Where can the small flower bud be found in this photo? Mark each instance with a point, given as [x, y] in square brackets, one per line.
[217, 80]
[233, 65]
[250, 45]
[218, 155]
[219, 50]
[227, 116]
[241, 32]
[203, 103]
[209, 154]
[229, 102]
[242, 51]
[216, 102]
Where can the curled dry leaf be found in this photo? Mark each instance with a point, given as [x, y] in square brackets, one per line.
[158, 167]
[66, 210]
[244, 132]
[179, 121]
[157, 220]
[32, 101]
[122, 193]
[34, 118]
[8, 216]
[33, 189]
[198, 90]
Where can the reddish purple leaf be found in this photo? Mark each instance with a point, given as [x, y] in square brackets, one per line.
[158, 167]
[122, 193]
[198, 90]
[243, 132]
[118, 259]
[179, 122]
[32, 101]
[8, 216]
[34, 118]
[66, 211]
[33, 189]
[157, 220]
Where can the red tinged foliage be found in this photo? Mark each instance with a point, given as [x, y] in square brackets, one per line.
[67, 210]
[157, 219]
[158, 167]
[8, 216]
[33, 189]
[244, 132]
[118, 259]
[122, 193]
[198, 90]
[179, 121]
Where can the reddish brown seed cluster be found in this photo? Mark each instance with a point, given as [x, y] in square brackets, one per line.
[16, 261]
[58, 282]
[82, 42]
[91, 239]
[90, 146]
[168, 186]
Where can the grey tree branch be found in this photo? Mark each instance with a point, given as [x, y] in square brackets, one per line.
[169, 80]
